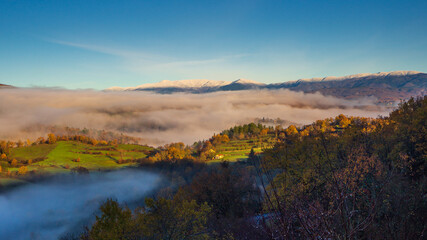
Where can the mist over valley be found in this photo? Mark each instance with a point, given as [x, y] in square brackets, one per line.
[159, 119]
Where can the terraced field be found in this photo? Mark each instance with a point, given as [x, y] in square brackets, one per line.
[236, 150]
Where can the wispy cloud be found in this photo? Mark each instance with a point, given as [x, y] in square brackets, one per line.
[201, 62]
[127, 54]
[141, 61]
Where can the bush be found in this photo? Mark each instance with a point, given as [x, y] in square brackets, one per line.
[22, 170]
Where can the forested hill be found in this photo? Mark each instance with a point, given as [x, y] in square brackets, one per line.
[338, 178]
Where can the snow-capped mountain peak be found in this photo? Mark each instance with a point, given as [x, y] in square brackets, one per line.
[189, 83]
[386, 86]
[355, 76]
[247, 81]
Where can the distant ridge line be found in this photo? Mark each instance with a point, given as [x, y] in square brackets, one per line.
[200, 83]
[387, 87]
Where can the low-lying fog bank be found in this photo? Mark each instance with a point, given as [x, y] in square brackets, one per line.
[50, 208]
[161, 119]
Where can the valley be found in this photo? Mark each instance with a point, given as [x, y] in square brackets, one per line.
[237, 166]
[213, 120]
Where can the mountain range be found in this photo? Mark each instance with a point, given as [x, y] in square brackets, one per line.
[192, 85]
[387, 87]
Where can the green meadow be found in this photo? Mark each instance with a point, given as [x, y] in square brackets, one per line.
[63, 156]
[32, 152]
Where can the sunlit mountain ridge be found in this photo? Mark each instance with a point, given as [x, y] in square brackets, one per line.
[385, 86]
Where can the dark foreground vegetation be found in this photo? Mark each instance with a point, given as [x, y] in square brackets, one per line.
[342, 178]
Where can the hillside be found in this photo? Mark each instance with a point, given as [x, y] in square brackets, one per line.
[67, 156]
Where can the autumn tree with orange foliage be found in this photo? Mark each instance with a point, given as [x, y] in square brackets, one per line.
[172, 152]
[220, 138]
[51, 138]
[14, 163]
[22, 170]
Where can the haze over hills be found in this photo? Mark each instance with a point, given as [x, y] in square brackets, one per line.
[386, 86]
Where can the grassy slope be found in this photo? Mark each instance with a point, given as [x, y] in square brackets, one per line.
[61, 154]
[32, 152]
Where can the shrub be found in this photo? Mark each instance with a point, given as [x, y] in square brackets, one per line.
[22, 170]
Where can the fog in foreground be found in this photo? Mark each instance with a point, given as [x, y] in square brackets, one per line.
[160, 119]
[48, 209]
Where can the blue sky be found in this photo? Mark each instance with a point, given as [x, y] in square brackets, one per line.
[98, 44]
